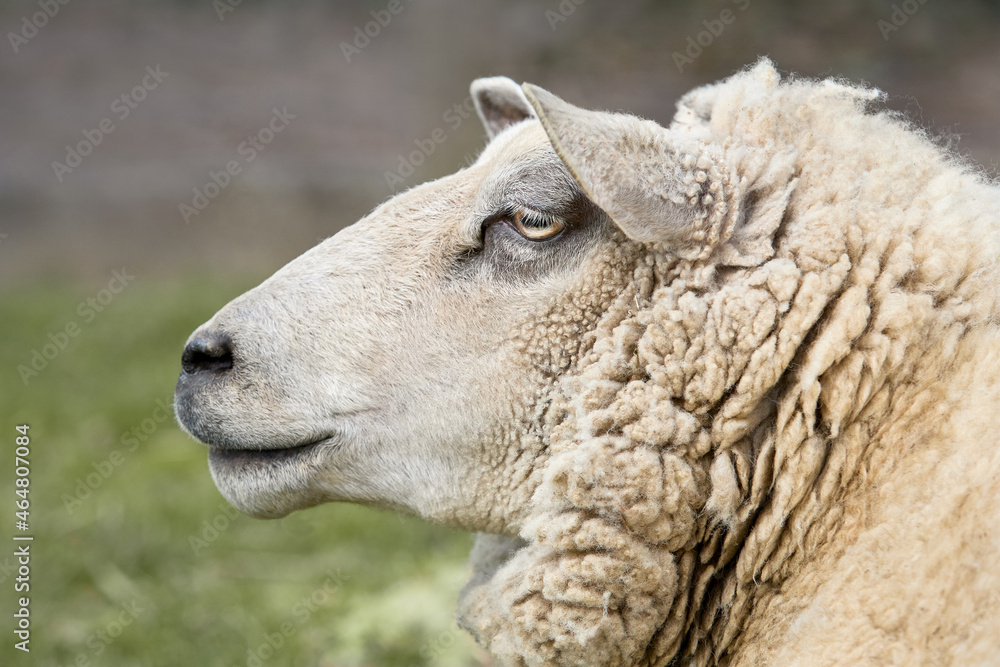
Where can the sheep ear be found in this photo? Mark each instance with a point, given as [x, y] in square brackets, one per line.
[500, 103]
[658, 185]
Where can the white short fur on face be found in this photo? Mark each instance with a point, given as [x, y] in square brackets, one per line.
[395, 350]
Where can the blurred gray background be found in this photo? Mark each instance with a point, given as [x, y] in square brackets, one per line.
[362, 114]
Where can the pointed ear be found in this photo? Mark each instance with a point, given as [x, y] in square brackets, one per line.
[656, 184]
[500, 103]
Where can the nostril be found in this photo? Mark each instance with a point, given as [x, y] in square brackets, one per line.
[210, 352]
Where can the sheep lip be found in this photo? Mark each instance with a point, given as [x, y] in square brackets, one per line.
[270, 483]
[237, 457]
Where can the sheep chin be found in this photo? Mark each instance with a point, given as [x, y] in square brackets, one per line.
[268, 484]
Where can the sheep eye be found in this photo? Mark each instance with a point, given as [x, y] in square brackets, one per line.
[536, 226]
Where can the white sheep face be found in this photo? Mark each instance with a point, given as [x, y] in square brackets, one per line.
[401, 362]
[409, 361]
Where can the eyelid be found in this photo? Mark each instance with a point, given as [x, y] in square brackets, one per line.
[532, 211]
[510, 210]
[508, 213]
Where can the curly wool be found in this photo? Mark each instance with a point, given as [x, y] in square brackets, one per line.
[730, 399]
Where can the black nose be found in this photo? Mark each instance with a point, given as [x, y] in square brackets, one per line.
[210, 352]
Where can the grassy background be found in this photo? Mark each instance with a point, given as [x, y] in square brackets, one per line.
[129, 541]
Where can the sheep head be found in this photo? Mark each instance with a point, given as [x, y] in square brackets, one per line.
[518, 349]
[422, 345]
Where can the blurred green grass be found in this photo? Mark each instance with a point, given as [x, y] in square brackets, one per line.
[337, 585]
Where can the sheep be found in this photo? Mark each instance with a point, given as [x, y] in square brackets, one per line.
[717, 393]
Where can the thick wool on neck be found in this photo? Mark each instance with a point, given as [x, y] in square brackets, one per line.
[727, 400]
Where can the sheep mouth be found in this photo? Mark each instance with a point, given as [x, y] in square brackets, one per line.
[244, 458]
[270, 483]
